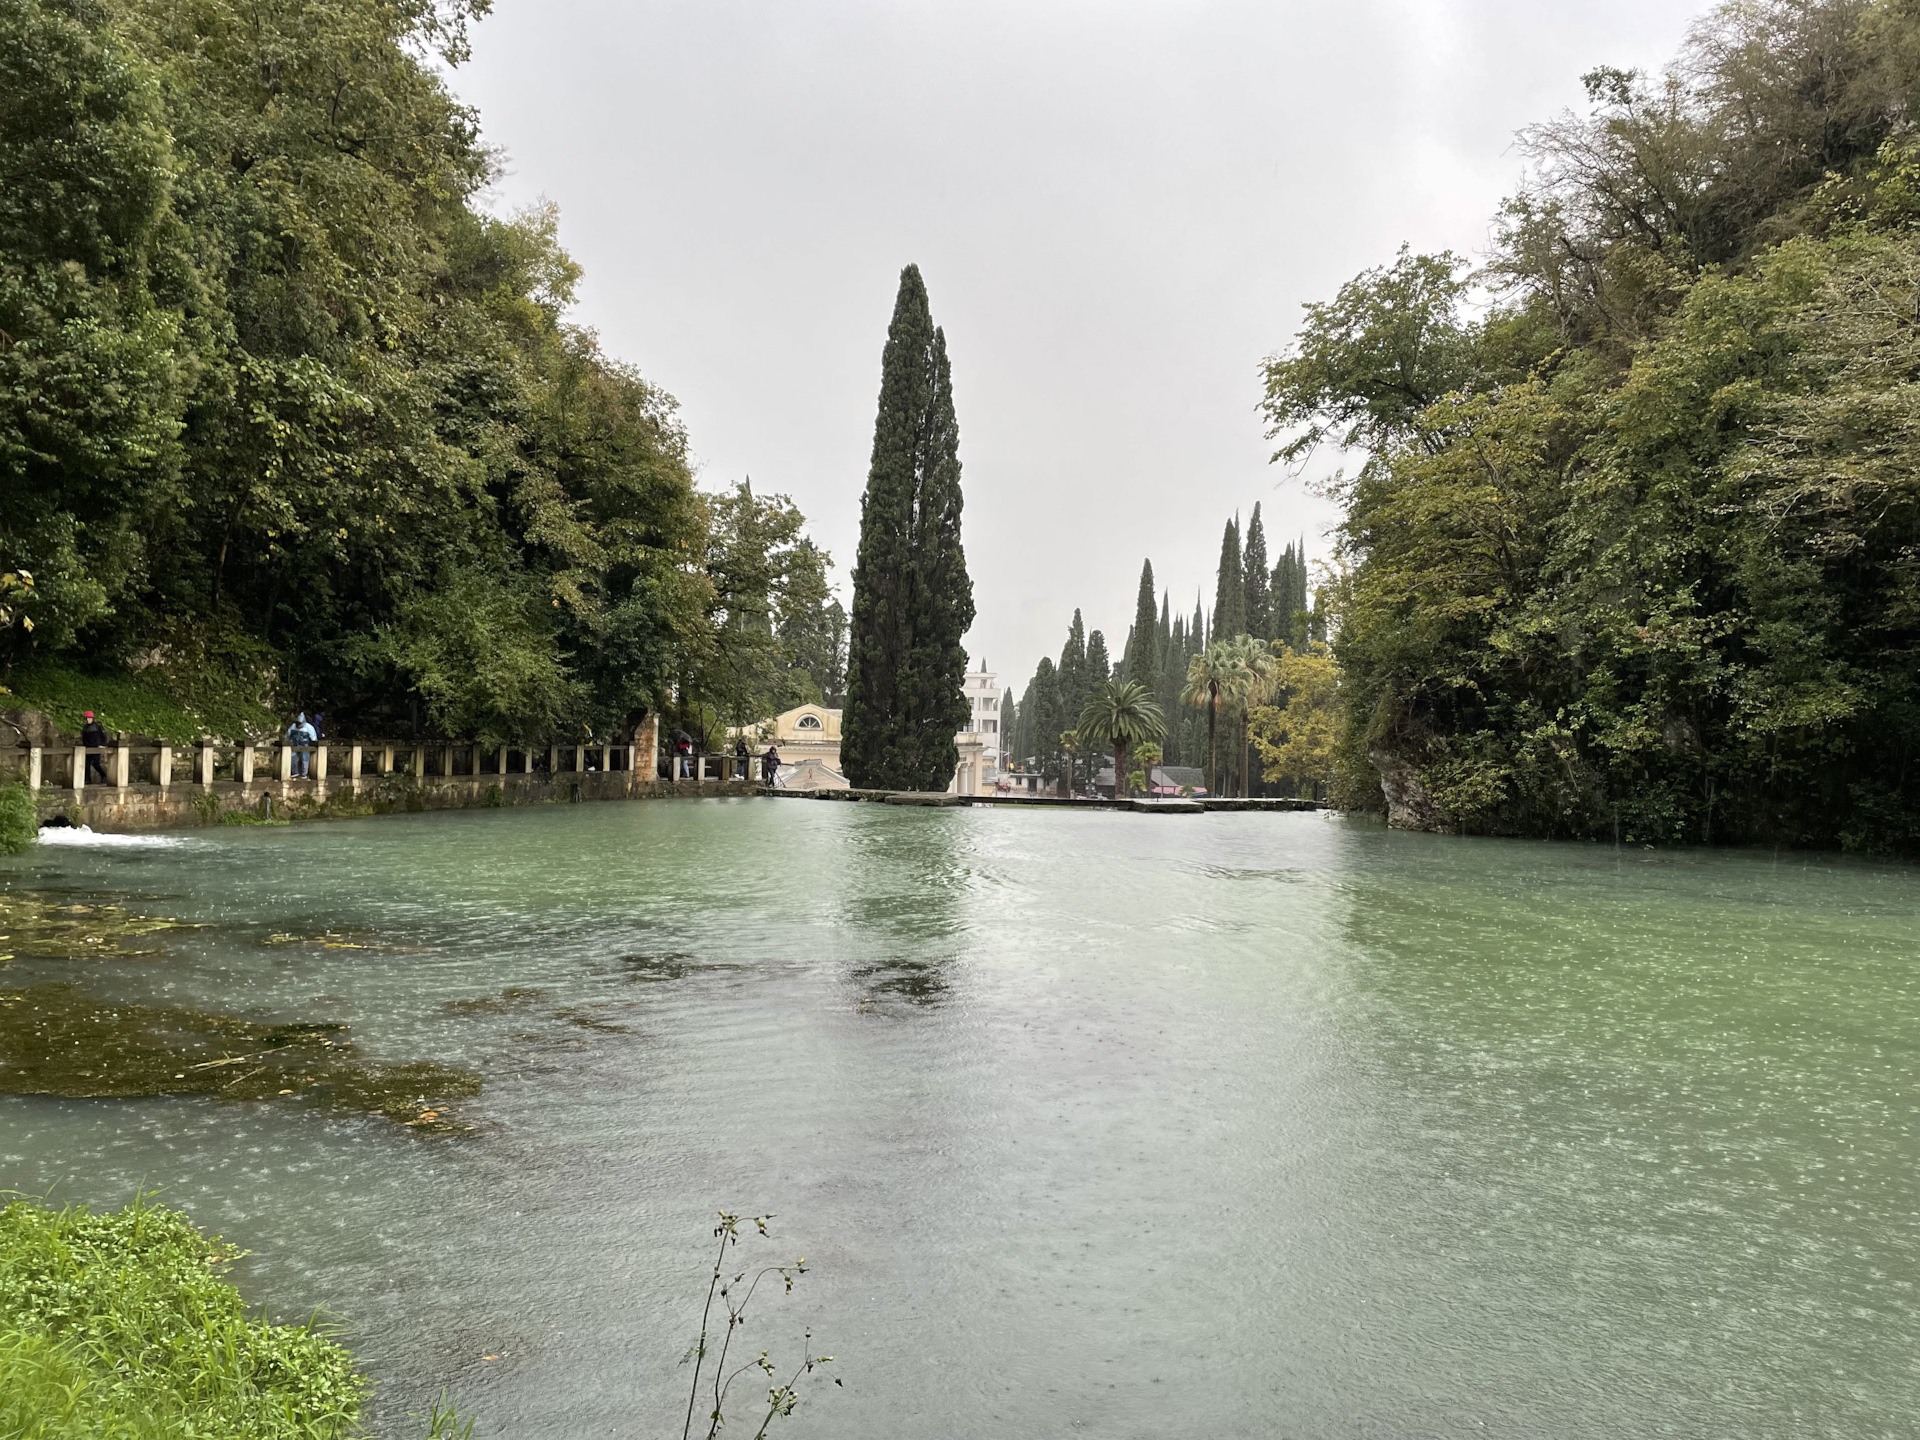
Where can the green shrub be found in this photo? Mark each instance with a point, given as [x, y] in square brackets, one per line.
[19, 826]
[121, 1325]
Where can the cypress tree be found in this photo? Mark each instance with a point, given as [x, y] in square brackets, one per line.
[1230, 588]
[1099, 667]
[1007, 726]
[912, 600]
[1253, 560]
[1044, 718]
[1143, 664]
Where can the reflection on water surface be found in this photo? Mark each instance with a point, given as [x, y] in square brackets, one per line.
[1088, 1124]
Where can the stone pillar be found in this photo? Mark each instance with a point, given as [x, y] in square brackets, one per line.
[163, 768]
[553, 762]
[646, 750]
[35, 761]
[320, 762]
[386, 759]
[79, 771]
[207, 757]
[121, 765]
[243, 762]
[419, 763]
[446, 761]
[355, 755]
[606, 757]
[503, 759]
[286, 763]
[580, 759]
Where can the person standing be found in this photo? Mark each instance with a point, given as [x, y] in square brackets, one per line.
[770, 765]
[742, 757]
[300, 735]
[93, 735]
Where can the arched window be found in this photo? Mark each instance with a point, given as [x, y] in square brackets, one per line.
[807, 722]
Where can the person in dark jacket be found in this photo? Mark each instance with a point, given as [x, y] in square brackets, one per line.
[682, 754]
[94, 736]
[743, 757]
[769, 765]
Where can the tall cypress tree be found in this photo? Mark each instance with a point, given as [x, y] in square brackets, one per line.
[1143, 663]
[1099, 664]
[912, 600]
[1006, 724]
[1253, 562]
[1230, 588]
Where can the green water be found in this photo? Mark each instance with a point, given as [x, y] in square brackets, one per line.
[1235, 1125]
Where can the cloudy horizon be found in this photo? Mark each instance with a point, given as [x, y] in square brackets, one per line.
[1118, 209]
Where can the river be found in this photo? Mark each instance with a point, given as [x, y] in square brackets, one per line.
[1087, 1123]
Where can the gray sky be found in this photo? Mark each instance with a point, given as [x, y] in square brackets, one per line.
[1118, 207]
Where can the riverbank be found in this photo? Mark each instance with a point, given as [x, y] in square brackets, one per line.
[122, 1323]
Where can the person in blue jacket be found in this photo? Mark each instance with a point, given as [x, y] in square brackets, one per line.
[301, 736]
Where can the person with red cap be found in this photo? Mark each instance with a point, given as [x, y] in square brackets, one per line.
[94, 737]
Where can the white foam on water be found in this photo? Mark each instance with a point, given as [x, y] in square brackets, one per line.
[86, 835]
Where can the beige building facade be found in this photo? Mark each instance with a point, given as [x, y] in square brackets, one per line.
[808, 739]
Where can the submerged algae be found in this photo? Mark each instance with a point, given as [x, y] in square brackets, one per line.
[62, 930]
[57, 1040]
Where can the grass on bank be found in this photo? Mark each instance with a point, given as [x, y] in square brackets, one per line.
[171, 703]
[19, 825]
[121, 1325]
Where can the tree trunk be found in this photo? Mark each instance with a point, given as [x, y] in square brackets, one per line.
[1213, 760]
[1119, 768]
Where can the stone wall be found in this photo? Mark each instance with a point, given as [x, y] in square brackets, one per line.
[149, 807]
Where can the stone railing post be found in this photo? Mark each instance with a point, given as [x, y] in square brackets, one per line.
[419, 763]
[446, 761]
[553, 762]
[79, 771]
[320, 761]
[206, 764]
[386, 759]
[163, 768]
[505, 751]
[286, 763]
[355, 754]
[579, 759]
[35, 760]
[606, 757]
[121, 765]
[243, 762]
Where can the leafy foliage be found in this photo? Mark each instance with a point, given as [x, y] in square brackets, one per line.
[121, 1324]
[1637, 558]
[271, 376]
[912, 599]
[19, 820]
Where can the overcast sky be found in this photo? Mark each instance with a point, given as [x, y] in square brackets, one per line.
[1119, 209]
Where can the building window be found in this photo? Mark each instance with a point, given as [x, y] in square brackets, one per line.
[807, 722]
[991, 724]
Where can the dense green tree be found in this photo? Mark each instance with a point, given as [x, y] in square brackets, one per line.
[1099, 667]
[1144, 645]
[1230, 589]
[912, 599]
[274, 386]
[1258, 605]
[1632, 557]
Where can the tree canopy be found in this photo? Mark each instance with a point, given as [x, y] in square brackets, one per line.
[277, 394]
[1632, 553]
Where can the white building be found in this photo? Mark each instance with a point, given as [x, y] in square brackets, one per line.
[983, 693]
[809, 741]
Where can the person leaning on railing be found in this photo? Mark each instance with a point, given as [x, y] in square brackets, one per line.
[93, 736]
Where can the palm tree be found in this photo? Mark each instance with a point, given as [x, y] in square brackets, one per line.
[1255, 672]
[1070, 742]
[1211, 677]
[1121, 713]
